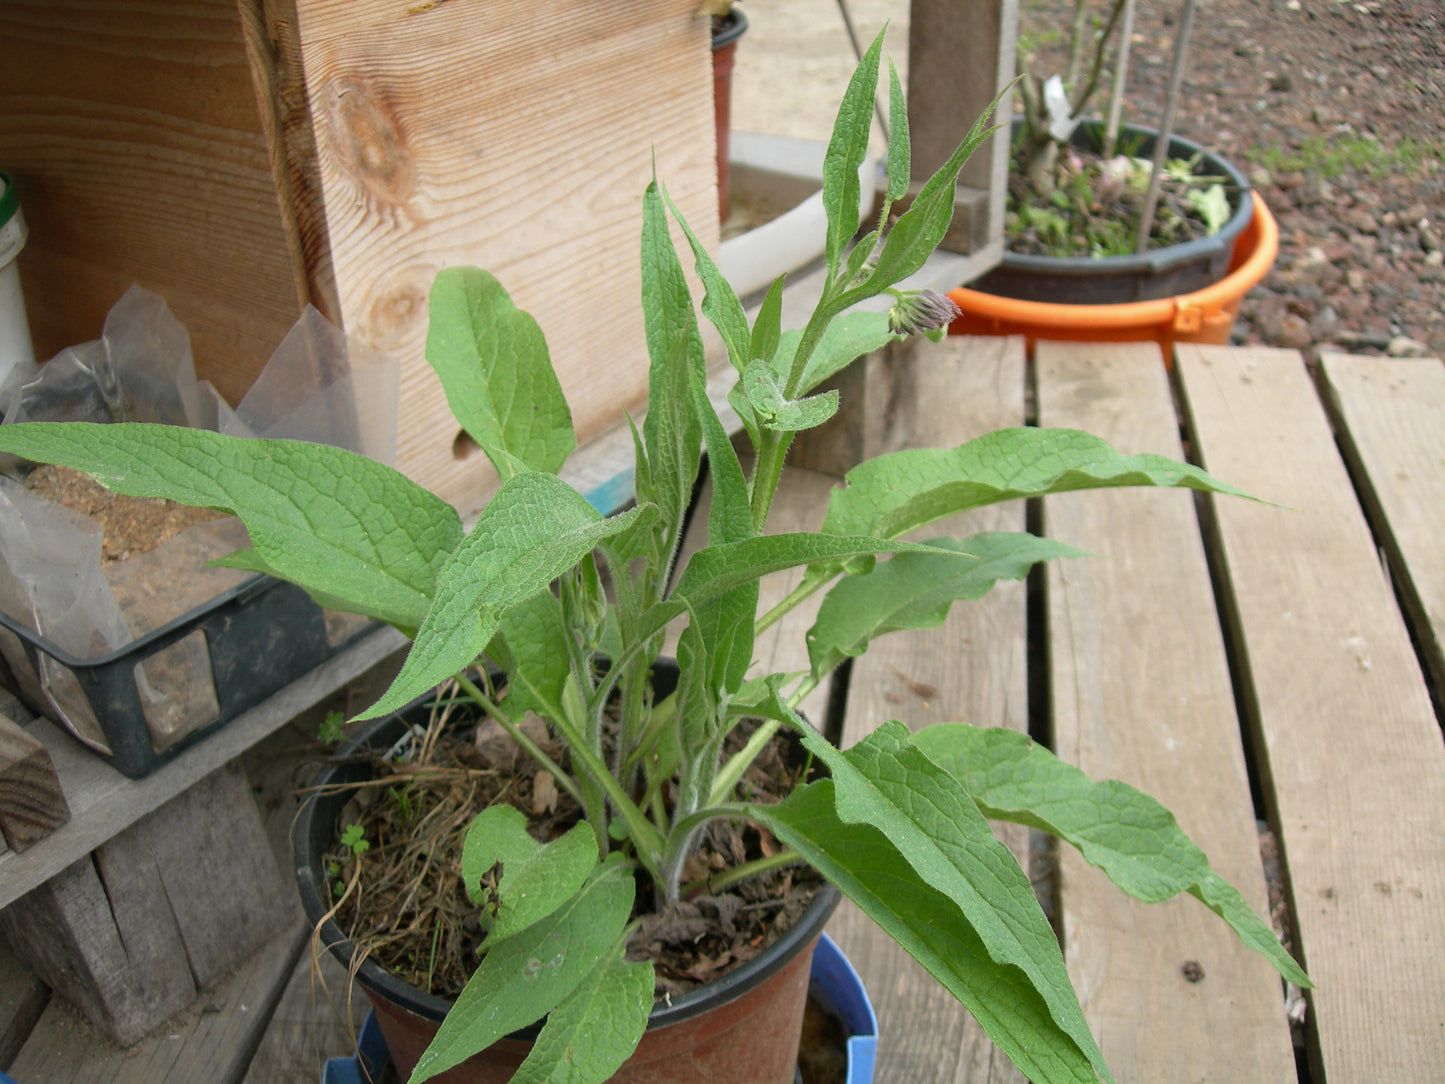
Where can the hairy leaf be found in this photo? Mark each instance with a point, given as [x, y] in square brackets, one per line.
[846, 151]
[940, 842]
[916, 590]
[720, 303]
[534, 529]
[536, 878]
[846, 339]
[595, 1029]
[768, 325]
[337, 523]
[532, 972]
[899, 153]
[897, 493]
[671, 430]
[494, 367]
[919, 230]
[1124, 832]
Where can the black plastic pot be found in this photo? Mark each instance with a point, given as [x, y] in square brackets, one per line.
[1114, 280]
[766, 994]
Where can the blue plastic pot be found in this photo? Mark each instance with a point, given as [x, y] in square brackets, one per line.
[833, 980]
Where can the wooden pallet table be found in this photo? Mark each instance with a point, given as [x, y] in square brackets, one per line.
[1256, 664]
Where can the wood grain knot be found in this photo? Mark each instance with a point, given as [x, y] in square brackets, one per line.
[396, 313]
[372, 145]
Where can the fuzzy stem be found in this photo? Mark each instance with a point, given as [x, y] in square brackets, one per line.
[729, 877]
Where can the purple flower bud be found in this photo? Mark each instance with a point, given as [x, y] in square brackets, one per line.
[919, 311]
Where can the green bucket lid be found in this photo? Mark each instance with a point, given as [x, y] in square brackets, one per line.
[9, 198]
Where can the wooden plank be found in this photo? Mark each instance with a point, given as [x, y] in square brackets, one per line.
[32, 805]
[1392, 430]
[103, 802]
[1343, 720]
[957, 63]
[213, 1042]
[1141, 692]
[318, 1017]
[104, 946]
[974, 668]
[22, 999]
[133, 136]
[515, 136]
[212, 857]
[167, 906]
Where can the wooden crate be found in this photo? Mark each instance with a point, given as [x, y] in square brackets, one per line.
[243, 158]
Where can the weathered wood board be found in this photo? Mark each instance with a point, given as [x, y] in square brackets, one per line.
[1343, 723]
[212, 1042]
[1141, 692]
[515, 135]
[32, 804]
[1391, 412]
[138, 153]
[130, 933]
[973, 668]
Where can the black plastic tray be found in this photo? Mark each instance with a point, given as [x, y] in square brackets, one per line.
[258, 637]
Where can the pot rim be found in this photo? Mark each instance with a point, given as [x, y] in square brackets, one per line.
[1158, 260]
[316, 819]
[728, 28]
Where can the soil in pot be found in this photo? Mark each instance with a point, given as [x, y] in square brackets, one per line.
[396, 882]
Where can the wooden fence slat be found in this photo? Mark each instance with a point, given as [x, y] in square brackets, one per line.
[974, 669]
[1353, 749]
[1392, 414]
[1141, 693]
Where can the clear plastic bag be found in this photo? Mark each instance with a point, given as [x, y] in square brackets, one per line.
[315, 387]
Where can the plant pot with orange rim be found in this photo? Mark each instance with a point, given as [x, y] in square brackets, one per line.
[1190, 291]
[1206, 315]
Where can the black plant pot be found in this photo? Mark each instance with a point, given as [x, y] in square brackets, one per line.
[1112, 280]
[731, 1018]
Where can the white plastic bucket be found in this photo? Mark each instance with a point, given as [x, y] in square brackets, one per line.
[17, 355]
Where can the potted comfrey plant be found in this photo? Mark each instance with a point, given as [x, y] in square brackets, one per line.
[542, 585]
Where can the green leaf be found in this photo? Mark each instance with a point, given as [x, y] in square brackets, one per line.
[494, 367]
[720, 568]
[720, 303]
[846, 339]
[897, 493]
[940, 842]
[846, 151]
[531, 646]
[532, 972]
[916, 590]
[774, 410]
[768, 324]
[919, 230]
[590, 1034]
[536, 878]
[899, 153]
[671, 429]
[534, 529]
[337, 523]
[1124, 832]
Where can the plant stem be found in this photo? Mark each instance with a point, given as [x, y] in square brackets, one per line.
[729, 877]
[564, 780]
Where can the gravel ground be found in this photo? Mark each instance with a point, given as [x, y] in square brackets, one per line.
[1335, 109]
